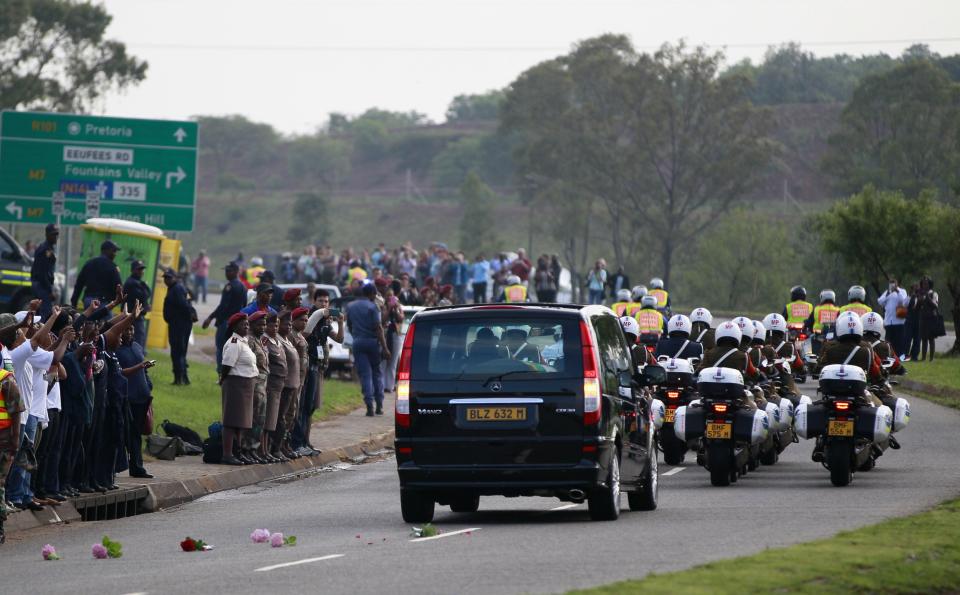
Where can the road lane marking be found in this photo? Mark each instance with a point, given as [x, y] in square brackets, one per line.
[673, 471]
[442, 535]
[298, 562]
[564, 507]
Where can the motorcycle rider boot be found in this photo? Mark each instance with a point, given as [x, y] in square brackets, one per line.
[893, 443]
[817, 455]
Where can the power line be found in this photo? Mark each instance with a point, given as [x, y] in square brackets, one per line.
[500, 49]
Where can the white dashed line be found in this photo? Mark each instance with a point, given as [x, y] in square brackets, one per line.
[442, 535]
[298, 562]
[673, 471]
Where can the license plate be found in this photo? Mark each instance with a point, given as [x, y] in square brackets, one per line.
[669, 415]
[839, 428]
[496, 413]
[719, 431]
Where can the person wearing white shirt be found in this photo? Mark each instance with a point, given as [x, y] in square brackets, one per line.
[894, 302]
[238, 375]
[46, 407]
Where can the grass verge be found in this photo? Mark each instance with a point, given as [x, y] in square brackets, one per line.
[939, 380]
[198, 405]
[914, 554]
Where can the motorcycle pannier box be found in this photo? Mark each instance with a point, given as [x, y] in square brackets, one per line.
[743, 426]
[720, 390]
[816, 421]
[847, 387]
[695, 422]
[873, 423]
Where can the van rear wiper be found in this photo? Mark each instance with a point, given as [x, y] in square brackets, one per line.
[501, 376]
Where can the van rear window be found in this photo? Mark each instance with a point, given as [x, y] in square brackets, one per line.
[483, 347]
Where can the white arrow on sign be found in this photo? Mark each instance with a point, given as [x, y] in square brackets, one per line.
[179, 175]
[180, 134]
[14, 209]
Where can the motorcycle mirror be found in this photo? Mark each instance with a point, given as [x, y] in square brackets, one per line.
[694, 361]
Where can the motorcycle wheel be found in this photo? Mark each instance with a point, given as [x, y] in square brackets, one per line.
[838, 460]
[753, 463]
[720, 457]
[770, 457]
[673, 447]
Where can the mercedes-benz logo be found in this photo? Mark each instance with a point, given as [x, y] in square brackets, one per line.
[496, 386]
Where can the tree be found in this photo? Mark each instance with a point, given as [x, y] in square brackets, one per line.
[948, 242]
[901, 131]
[235, 144]
[311, 219]
[478, 225]
[53, 56]
[472, 108]
[318, 160]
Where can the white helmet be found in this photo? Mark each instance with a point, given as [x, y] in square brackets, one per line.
[729, 330]
[872, 323]
[848, 324]
[256, 261]
[623, 295]
[638, 292]
[843, 372]
[828, 295]
[775, 323]
[679, 324]
[759, 331]
[701, 315]
[656, 283]
[513, 280]
[630, 325]
[745, 324]
[856, 293]
[720, 375]
[648, 301]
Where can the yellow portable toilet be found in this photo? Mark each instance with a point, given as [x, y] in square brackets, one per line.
[137, 241]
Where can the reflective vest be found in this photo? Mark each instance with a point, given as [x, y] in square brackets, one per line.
[620, 308]
[798, 311]
[662, 297]
[253, 276]
[856, 307]
[4, 415]
[824, 314]
[515, 293]
[650, 321]
[357, 273]
[632, 309]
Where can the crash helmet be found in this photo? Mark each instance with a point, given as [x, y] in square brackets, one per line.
[848, 324]
[720, 382]
[256, 261]
[872, 323]
[679, 323]
[729, 330]
[656, 283]
[856, 292]
[798, 292]
[513, 280]
[638, 292]
[623, 295]
[648, 301]
[759, 332]
[745, 325]
[702, 315]
[630, 326]
[775, 323]
[828, 295]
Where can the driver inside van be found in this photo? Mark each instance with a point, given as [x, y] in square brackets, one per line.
[484, 347]
[515, 340]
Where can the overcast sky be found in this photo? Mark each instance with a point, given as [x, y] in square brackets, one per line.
[291, 62]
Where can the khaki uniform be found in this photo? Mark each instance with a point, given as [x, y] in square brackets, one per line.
[704, 336]
[786, 350]
[13, 403]
[251, 439]
[758, 353]
[300, 344]
[277, 363]
[838, 352]
[737, 360]
[291, 386]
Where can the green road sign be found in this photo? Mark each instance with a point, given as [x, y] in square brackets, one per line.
[143, 170]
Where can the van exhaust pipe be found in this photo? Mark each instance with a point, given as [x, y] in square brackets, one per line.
[577, 495]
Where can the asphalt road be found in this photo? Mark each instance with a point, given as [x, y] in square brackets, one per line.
[353, 540]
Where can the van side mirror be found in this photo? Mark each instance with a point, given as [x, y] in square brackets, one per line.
[625, 379]
[652, 375]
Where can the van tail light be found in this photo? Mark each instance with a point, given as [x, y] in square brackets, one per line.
[842, 405]
[591, 381]
[673, 394]
[719, 407]
[402, 411]
[803, 336]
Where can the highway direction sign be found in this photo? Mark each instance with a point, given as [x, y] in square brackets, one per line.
[141, 170]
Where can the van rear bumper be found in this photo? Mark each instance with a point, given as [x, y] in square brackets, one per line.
[502, 479]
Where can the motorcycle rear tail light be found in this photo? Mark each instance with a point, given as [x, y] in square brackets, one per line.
[673, 394]
[720, 407]
[842, 405]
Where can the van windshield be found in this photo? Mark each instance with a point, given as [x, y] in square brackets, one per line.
[488, 346]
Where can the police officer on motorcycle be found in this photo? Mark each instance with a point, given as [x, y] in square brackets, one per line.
[855, 301]
[623, 302]
[663, 297]
[727, 354]
[701, 331]
[677, 343]
[849, 348]
[640, 356]
[798, 309]
[649, 319]
[823, 318]
[783, 349]
[636, 294]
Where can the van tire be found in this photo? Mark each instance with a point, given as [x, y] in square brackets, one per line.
[604, 502]
[646, 497]
[416, 506]
[465, 503]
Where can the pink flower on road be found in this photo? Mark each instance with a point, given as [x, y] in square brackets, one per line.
[99, 552]
[260, 536]
[49, 552]
[276, 540]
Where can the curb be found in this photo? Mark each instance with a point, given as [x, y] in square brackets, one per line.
[939, 391]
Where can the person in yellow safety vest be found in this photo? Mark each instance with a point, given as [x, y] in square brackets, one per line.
[623, 302]
[855, 297]
[648, 317]
[798, 310]
[251, 277]
[824, 314]
[356, 272]
[514, 292]
[657, 291]
[11, 406]
[636, 294]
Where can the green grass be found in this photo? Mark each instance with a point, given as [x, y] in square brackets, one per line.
[198, 405]
[942, 371]
[915, 554]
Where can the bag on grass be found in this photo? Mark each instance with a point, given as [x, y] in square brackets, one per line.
[182, 432]
[163, 448]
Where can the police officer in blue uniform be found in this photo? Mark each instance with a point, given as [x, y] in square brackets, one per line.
[232, 299]
[178, 314]
[44, 265]
[99, 278]
[137, 290]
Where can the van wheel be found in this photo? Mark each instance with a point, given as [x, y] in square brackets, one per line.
[646, 497]
[604, 503]
[465, 503]
[416, 507]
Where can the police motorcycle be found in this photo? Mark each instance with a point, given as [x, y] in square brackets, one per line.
[845, 424]
[797, 335]
[819, 337]
[901, 414]
[726, 427]
[677, 390]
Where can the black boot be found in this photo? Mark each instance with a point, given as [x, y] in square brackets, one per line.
[184, 378]
[369, 409]
[379, 408]
[176, 378]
